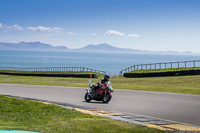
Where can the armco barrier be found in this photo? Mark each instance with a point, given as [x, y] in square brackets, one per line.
[54, 74]
[163, 65]
[162, 74]
[52, 69]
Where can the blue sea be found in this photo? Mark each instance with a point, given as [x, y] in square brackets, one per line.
[112, 63]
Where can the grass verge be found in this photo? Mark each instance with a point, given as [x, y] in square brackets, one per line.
[53, 72]
[165, 70]
[16, 114]
[178, 84]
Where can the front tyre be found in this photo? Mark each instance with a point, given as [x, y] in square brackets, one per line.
[106, 98]
[87, 97]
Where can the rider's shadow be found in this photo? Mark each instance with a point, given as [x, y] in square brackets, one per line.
[95, 102]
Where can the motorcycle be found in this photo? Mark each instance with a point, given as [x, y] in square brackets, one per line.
[100, 94]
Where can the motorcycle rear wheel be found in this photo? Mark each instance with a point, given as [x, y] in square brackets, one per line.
[87, 97]
[106, 98]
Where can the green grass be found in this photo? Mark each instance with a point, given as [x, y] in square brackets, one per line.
[164, 70]
[16, 114]
[52, 81]
[178, 84]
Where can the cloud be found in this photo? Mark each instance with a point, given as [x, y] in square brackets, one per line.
[44, 29]
[71, 33]
[113, 32]
[32, 28]
[94, 34]
[56, 29]
[7, 28]
[17, 27]
[134, 35]
[13, 27]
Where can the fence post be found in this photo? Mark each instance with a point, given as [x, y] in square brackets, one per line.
[194, 63]
[185, 64]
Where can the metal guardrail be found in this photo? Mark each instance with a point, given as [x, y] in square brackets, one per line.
[165, 65]
[74, 69]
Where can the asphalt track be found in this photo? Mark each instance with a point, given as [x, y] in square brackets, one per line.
[183, 108]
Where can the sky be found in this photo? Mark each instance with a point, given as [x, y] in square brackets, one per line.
[155, 25]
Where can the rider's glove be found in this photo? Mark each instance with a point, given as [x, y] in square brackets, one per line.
[110, 89]
[90, 85]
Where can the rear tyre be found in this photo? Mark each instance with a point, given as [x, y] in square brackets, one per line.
[106, 98]
[87, 97]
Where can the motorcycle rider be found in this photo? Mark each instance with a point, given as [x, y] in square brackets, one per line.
[106, 80]
[100, 91]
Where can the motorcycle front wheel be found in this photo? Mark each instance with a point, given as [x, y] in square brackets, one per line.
[87, 97]
[106, 98]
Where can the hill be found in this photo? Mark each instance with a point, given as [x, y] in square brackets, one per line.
[100, 48]
[31, 46]
[105, 48]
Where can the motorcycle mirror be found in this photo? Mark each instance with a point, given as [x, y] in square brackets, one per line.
[90, 81]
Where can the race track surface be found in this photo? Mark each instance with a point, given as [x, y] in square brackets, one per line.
[182, 108]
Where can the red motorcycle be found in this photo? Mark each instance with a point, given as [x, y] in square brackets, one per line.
[100, 94]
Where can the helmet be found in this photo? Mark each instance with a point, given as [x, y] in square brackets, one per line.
[106, 78]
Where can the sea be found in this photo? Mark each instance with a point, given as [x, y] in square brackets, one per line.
[111, 63]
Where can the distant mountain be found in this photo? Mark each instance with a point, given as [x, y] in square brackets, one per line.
[105, 48]
[31, 46]
[100, 48]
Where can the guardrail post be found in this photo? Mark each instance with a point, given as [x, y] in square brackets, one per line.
[185, 64]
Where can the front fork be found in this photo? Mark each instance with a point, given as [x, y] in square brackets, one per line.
[89, 92]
